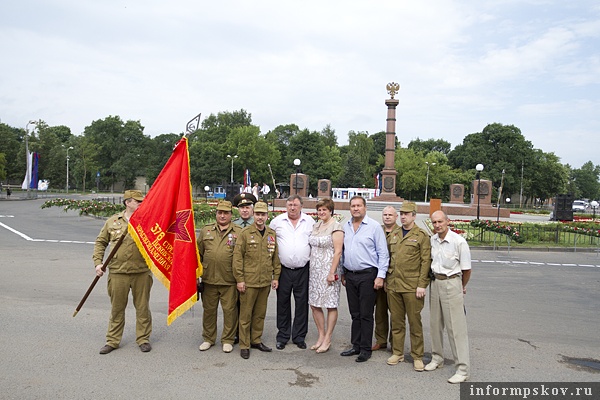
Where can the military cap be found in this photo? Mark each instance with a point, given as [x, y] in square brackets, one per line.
[224, 205]
[244, 199]
[133, 194]
[261, 207]
[408, 206]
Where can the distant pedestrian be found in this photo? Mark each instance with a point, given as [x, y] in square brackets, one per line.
[8, 192]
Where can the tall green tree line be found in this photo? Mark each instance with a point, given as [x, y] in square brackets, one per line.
[119, 152]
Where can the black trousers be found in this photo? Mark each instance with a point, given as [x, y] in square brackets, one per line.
[361, 303]
[292, 281]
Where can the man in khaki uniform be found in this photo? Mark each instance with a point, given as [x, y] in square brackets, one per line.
[127, 270]
[389, 215]
[215, 245]
[256, 268]
[407, 278]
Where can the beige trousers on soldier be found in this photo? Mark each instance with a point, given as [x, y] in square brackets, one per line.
[228, 296]
[119, 286]
[447, 310]
[382, 323]
[406, 306]
[253, 309]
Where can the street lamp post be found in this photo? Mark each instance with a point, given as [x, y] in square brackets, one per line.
[232, 158]
[68, 148]
[427, 179]
[500, 196]
[479, 168]
[297, 164]
[206, 189]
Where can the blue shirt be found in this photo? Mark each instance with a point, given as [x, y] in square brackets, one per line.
[365, 248]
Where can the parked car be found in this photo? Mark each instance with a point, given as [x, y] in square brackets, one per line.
[580, 206]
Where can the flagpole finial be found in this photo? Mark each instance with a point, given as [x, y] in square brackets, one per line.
[192, 125]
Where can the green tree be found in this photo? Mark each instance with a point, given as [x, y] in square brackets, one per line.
[329, 137]
[548, 176]
[362, 146]
[498, 147]
[352, 173]
[586, 180]
[84, 163]
[2, 167]
[429, 145]
[281, 137]
[11, 140]
[307, 146]
[161, 149]
[121, 150]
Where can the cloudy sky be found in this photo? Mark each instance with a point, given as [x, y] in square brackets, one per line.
[461, 65]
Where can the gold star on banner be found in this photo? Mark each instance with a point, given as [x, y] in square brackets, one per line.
[178, 227]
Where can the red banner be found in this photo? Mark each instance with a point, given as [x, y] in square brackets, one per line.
[163, 229]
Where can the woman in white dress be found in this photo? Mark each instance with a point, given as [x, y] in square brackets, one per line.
[326, 242]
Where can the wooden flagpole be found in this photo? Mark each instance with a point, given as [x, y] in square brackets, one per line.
[104, 264]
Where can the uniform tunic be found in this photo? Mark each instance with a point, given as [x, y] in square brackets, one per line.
[410, 261]
[127, 270]
[216, 253]
[255, 262]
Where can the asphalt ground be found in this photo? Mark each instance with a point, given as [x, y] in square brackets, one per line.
[528, 313]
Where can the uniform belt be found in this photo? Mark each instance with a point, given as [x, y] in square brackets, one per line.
[443, 277]
[359, 271]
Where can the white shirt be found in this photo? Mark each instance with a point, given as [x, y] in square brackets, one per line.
[451, 255]
[292, 243]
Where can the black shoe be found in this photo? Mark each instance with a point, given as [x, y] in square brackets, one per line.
[245, 353]
[280, 345]
[145, 347]
[362, 357]
[261, 346]
[106, 349]
[301, 345]
[349, 352]
[236, 339]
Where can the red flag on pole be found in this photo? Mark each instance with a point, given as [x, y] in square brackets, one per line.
[163, 229]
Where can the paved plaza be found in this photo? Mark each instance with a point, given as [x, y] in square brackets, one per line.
[529, 314]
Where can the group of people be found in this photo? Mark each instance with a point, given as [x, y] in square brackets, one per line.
[385, 269]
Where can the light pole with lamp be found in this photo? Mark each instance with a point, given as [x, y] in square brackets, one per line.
[594, 205]
[500, 196]
[68, 148]
[232, 158]
[427, 179]
[479, 168]
[297, 164]
[206, 189]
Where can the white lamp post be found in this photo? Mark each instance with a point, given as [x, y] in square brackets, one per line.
[206, 189]
[232, 158]
[479, 168]
[427, 179]
[297, 164]
[68, 148]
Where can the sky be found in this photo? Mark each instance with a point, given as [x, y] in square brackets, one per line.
[461, 65]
